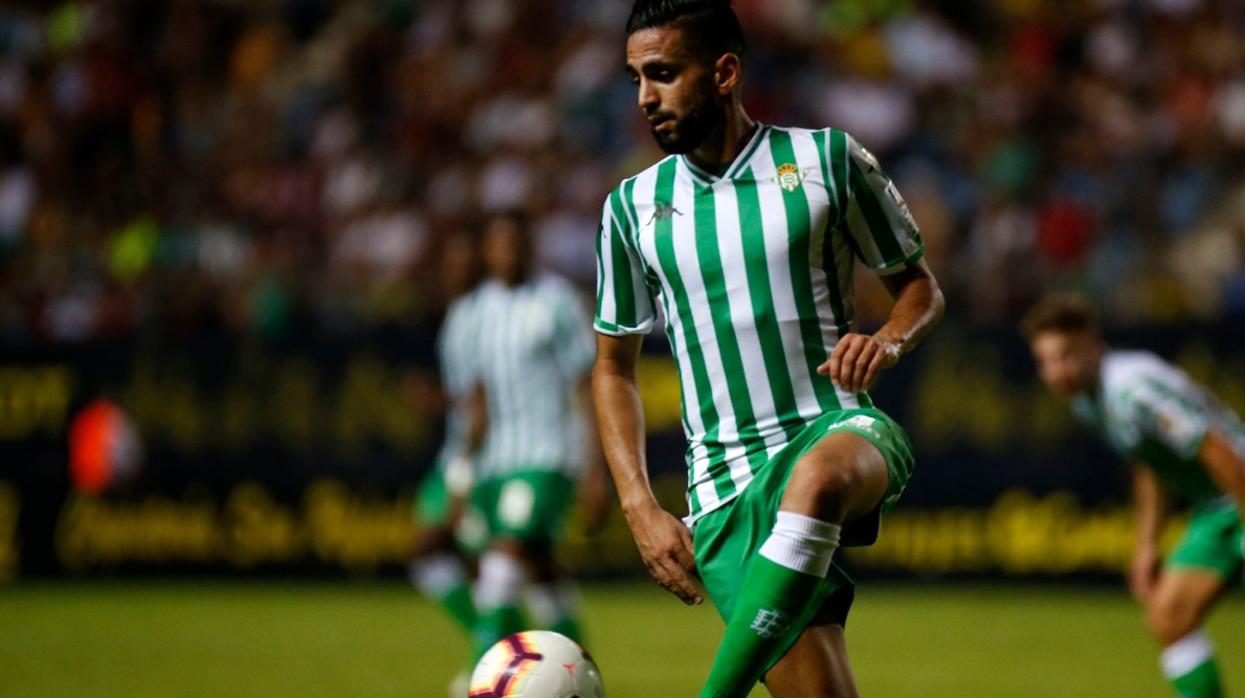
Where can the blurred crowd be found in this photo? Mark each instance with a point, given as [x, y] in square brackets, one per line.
[269, 167]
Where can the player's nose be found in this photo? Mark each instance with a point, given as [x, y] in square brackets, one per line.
[647, 98]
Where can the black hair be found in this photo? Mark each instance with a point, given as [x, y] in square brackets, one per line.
[710, 26]
[514, 216]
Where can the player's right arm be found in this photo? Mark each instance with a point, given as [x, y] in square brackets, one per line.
[1151, 504]
[664, 542]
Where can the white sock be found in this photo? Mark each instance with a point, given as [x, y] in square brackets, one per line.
[436, 575]
[802, 543]
[550, 603]
[1186, 654]
[500, 583]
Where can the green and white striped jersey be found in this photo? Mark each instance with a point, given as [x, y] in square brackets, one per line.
[529, 346]
[1150, 412]
[753, 271]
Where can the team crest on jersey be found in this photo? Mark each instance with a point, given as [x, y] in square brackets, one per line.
[789, 177]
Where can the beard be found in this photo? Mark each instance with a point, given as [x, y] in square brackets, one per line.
[691, 131]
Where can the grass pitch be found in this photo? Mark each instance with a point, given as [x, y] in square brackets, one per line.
[140, 640]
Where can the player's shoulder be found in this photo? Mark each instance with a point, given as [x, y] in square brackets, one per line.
[554, 285]
[1128, 376]
[646, 173]
[626, 190]
[465, 305]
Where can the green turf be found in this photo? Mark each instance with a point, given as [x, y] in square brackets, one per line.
[380, 640]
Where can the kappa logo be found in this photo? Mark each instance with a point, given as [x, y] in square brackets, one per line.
[769, 624]
[860, 421]
[664, 211]
[789, 177]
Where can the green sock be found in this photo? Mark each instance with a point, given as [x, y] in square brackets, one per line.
[773, 603]
[443, 578]
[457, 603]
[1189, 665]
[492, 626]
[1201, 682]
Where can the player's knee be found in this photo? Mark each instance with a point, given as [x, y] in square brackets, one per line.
[1168, 620]
[830, 481]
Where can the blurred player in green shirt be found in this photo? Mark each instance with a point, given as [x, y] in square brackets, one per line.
[1182, 442]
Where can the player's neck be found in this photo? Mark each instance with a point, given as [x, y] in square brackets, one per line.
[725, 144]
[514, 280]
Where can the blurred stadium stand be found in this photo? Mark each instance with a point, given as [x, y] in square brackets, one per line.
[226, 215]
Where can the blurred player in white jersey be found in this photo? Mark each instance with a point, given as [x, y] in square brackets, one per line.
[1182, 442]
[439, 566]
[531, 347]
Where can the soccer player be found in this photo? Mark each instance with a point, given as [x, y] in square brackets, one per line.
[1180, 441]
[531, 351]
[746, 236]
[438, 566]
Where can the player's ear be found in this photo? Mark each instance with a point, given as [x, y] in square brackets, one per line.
[727, 73]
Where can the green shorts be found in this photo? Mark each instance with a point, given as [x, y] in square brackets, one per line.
[432, 502]
[725, 539]
[1212, 542]
[529, 505]
[432, 510]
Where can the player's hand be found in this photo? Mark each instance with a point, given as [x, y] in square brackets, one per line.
[857, 359]
[1143, 574]
[666, 547]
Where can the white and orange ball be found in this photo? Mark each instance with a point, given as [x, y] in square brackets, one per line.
[536, 664]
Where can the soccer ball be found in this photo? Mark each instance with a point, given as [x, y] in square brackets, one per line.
[536, 664]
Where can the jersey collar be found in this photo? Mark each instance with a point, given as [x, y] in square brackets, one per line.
[705, 178]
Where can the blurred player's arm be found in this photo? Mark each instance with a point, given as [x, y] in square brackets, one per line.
[594, 485]
[460, 475]
[919, 305]
[1224, 465]
[1151, 503]
[663, 541]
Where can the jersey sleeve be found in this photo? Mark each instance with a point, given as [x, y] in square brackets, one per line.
[455, 351]
[573, 345]
[623, 304]
[1159, 411]
[881, 229]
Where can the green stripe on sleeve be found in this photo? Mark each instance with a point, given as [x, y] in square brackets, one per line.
[620, 258]
[879, 226]
[828, 261]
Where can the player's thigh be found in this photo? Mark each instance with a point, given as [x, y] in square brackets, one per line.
[1181, 600]
[843, 473]
[816, 666]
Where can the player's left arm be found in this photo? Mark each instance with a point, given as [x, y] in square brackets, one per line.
[919, 305]
[881, 230]
[1224, 465]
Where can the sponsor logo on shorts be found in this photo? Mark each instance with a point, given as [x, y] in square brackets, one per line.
[861, 422]
[769, 624]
